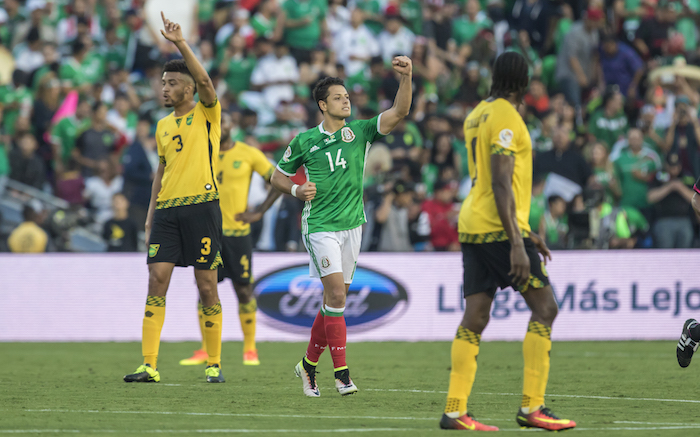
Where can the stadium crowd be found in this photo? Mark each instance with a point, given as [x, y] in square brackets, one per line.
[612, 110]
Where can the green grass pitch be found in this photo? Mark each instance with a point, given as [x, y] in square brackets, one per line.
[609, 388]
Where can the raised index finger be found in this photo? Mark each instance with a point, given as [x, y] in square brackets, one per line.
[162, 15]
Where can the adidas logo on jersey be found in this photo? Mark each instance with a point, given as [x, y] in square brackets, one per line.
[313, 149]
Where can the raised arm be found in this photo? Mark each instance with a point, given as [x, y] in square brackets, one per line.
[402, 103]
[205, 87]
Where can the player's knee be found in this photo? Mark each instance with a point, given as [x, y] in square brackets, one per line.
[157, 280]
[244, 292]
[335, 297]
[547, 313]
[476, 322]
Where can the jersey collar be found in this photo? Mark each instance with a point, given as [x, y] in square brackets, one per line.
[324, 131]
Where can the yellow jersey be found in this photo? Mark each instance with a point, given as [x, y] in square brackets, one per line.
[188, 147]
[28, 238]
[495, 128]
[236, 167]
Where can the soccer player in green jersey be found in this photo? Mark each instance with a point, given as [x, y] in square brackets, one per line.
[333, 155]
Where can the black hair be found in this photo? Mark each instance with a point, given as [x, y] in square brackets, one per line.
[77, 47]
[28, 213]
[553, 198]
[97, 105]
[510, 75]
[179, 66]
[322, 86]
[33, 35]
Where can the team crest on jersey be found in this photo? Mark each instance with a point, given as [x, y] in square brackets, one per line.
[236, 164]
[287, 154]
[325, 262]
[347, 134]
[189, 119]
[506, 137]
[153, 250]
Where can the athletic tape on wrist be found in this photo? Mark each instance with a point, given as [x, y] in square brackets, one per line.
[294, 190]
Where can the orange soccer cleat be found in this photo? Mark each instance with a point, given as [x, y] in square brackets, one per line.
[545, 419]
[466, 422]
[199, 357]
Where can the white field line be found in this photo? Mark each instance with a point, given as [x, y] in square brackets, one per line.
[281, 431]
[614, 398]
[285, 416]
[200, 431]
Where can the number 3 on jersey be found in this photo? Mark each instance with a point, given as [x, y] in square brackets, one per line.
[339, 160]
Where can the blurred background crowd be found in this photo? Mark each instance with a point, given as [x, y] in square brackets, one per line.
[612, 110]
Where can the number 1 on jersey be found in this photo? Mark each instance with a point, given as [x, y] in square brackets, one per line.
[474, 159]
[339, 160]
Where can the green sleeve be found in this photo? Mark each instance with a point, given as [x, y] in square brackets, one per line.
[292, 159]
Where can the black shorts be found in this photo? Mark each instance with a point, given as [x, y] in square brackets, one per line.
[486, 267]
[187, 236]
[237, 253]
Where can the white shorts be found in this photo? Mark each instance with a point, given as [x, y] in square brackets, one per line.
[333, 252]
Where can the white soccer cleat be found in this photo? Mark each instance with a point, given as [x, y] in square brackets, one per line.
[307, 373]
[343, 383]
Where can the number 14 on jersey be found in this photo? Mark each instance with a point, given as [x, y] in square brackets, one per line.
[339, 160]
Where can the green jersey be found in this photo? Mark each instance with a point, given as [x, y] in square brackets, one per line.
[464, 30]
[335, 162]
[16, 101]
[65, 132]
[634, 191]
[608, 130]
[309, 35]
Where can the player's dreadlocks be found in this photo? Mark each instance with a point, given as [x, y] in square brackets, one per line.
[179, 66]
[510, 75]
[322, 86]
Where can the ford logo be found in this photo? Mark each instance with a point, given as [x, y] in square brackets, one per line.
[291, 299]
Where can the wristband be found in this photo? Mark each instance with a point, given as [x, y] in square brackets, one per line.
[294, 190]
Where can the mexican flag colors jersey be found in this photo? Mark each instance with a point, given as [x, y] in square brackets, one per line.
[335, 162]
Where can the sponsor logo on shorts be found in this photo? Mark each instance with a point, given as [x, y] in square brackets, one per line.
[289, 300]
[202, 259]
[347, 134]
[153, 250]
[325, 262]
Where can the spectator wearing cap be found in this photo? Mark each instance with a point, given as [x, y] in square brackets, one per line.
[395, 39]
[392, 215]
[670, 198]
[609, 123]
[442, 214]
[29, 237]
[304, 26]
[563, 159]
[37, 15]
[577, 62]
[635, 167]
[651, 39]
[621, 66]
[683, 136]
[355, 45]
[275, 76]
[25, 165]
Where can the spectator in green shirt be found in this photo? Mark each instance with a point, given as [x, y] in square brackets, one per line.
[635, 167]
[466, 27]
[71, 72]
[412, 13]
[304, 26]
[553, 225]
[609, 123]
[264, 21]
[15, 101]
[237, 65]
[64, 133]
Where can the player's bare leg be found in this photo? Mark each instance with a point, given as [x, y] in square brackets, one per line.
[247, 308]
[465, 349]
[536, 350]
[159, 275]
[211, 308]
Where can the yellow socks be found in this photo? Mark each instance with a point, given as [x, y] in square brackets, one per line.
[536, 348]
[200, 313]
[212, 332]
[465, 348]
[246, 313]
[153, 319]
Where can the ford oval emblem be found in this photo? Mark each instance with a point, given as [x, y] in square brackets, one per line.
[291, 299]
